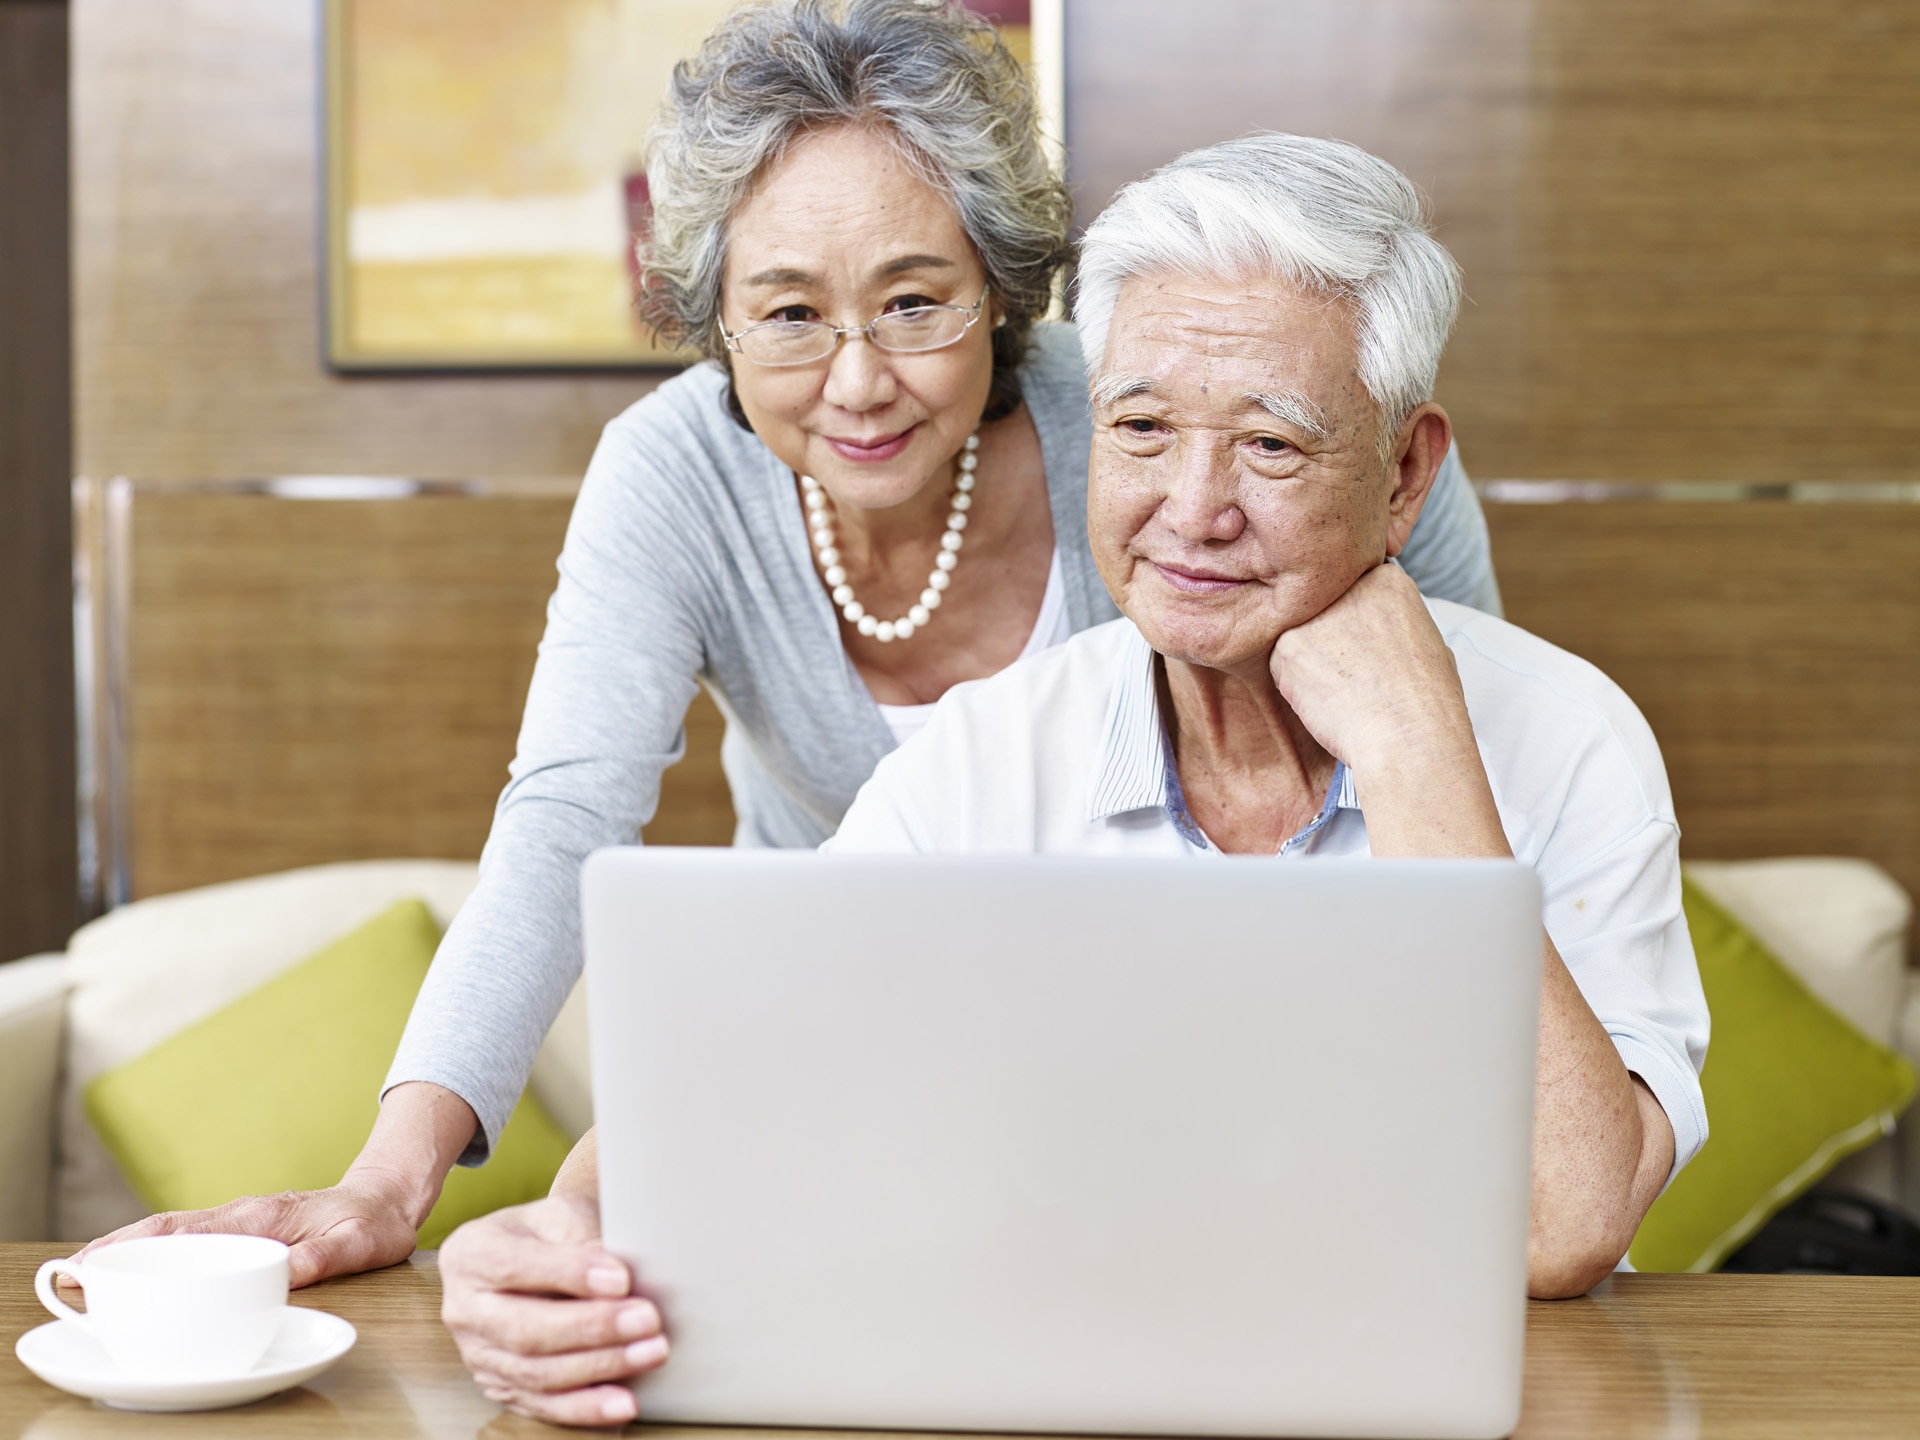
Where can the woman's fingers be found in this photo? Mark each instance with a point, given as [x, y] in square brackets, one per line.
[558, 1374]
[602, 1405]
[528, 1325]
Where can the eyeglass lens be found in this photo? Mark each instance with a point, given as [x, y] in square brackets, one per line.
[794, 342]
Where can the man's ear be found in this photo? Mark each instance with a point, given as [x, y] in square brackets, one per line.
[1418, 452]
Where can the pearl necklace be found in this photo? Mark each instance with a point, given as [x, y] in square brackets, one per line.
[820, 522]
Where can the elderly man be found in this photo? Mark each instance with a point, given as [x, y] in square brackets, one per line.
[1262, 322]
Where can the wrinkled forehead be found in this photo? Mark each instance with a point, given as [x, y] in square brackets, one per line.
[1214, 342]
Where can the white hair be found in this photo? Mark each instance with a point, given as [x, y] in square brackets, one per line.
[1319, 213]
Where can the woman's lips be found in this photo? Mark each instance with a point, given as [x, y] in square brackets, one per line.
[1195, 583]
[884, 447]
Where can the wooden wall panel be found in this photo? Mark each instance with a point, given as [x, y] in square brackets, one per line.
[324, 680]
[39, 857]
[1688, 230]
[198, 272]
[1688, 234]
[1727, 215]
[308, 681]
[1774, 648]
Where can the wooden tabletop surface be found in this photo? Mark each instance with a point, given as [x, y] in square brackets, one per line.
[1669, 1356]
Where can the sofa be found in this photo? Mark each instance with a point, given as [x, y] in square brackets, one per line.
[149, 969]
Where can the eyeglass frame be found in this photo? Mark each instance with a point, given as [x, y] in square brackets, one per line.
[973, 313]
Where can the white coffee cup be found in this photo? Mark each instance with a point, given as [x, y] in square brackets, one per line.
[178, 1306]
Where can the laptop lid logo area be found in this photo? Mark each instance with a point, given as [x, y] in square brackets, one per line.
[1229, 1148]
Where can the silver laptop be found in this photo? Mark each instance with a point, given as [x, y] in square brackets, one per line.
[1230, 1147]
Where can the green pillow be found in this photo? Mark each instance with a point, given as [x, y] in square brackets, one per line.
[1790, 1087]
[279, 1090]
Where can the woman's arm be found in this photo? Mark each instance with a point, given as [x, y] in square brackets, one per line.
[617, 669]
[545, 1318]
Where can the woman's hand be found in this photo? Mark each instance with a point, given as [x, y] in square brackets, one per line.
[363, 1223]
[545, 1318]
[366, 1221]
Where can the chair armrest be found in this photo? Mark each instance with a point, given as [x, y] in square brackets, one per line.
[33, 1009]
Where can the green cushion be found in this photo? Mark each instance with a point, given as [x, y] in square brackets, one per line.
[1790, 1088]
[279, 1090]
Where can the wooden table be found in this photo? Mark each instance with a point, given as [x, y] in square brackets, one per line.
[1669, 1356]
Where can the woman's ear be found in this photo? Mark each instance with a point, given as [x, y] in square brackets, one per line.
[1419, 450]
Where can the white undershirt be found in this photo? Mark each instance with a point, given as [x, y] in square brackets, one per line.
[1052, 628]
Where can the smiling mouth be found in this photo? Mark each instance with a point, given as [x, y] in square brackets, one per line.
[1196, 582]
[881, 447]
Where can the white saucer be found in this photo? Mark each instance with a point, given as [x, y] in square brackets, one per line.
[65, 1355]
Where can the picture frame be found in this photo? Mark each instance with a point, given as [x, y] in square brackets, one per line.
[482, 189]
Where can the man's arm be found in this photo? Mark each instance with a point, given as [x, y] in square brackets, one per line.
[1373, 680]
[1602, 1146]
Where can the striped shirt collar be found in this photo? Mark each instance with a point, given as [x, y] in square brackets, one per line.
[1134, 769]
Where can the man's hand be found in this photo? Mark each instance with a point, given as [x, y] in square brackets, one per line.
[1371, 677]
[1373, 680]
[362, 1223]
[545, 1318]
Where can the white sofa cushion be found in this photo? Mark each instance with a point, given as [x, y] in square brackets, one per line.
[147, 970]
[1840, 925]
[33, 1002]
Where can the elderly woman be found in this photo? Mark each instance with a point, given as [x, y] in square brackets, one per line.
[1263, 321]
[877, 490]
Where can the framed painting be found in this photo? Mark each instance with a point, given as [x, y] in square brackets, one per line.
[483, 186]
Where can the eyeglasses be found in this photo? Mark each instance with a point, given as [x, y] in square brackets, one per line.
[902, 332]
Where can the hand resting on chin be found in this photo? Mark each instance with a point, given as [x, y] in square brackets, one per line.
[1372, 679]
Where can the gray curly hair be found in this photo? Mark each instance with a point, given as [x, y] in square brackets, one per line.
[937, 78]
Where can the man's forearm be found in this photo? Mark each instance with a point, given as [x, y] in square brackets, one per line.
[421, 1131]
[1601, 1143]
[1429, 799]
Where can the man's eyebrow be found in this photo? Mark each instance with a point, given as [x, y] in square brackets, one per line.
[1293, 408]
[1112, 389]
